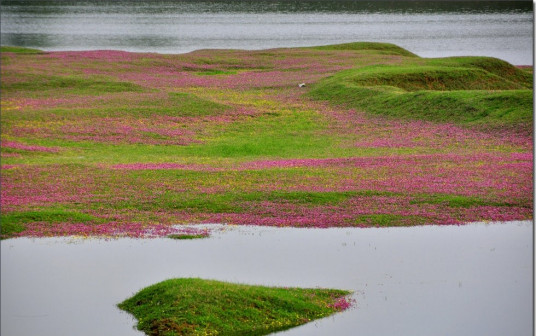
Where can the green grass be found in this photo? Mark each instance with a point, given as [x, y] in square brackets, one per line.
[73, 84]
[186, 236]
[206, 307]
[464, 90]
[425, 77]
[384, 219]
[177, 104]
[377, 48]
[234, 202]
[188, 104]
[459, 201]
[20, 50]
[215, 72]
[15, 222]
[282, 134]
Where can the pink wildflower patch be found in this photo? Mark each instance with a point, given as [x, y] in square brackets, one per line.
[30, 148]
[341, 304]
[163, 166]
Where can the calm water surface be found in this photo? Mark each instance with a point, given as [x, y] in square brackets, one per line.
[429, 29]
[452, 280]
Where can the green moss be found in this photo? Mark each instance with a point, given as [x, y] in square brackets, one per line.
[196, 307]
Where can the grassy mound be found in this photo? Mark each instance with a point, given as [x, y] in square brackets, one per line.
[205, 307]
[377, 48]
[464, 90]
[414, 78]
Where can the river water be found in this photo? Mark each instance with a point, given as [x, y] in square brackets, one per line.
[429, 29]
[474, 279]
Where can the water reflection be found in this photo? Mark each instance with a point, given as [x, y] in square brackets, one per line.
[430, 29]
[257, 6]
[454, 280]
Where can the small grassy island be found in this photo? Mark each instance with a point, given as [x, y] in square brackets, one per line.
[113, 143]
[206, 307]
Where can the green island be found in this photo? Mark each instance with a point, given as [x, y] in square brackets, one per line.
[208, 307]
[113, 143]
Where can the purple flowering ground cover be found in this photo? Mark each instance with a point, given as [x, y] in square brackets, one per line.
[111, 143]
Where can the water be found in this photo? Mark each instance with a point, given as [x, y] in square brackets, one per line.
[435, 280]
[429, 29]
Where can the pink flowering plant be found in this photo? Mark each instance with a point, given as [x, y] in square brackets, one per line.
[111, 143]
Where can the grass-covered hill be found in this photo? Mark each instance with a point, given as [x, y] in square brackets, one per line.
[475, 91]
[118, 143]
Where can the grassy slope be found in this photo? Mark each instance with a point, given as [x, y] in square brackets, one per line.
[199, 307]
[465, 90]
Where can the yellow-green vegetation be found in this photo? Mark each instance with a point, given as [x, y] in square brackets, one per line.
[207, 307]
[138, 143]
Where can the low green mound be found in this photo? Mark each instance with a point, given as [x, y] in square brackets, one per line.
[206, 307]
[463, 90]
[378, 48]
[74, 84]
[492, 65]
[414, 78]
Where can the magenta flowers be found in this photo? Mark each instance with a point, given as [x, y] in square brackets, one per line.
[135, 144]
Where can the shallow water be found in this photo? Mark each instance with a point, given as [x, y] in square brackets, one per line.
[429, 29]
[434, 280]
